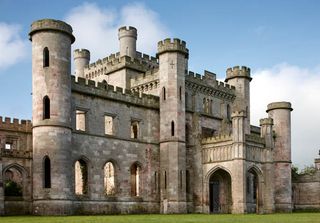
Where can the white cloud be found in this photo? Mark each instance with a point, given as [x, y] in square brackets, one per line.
[12, 47]
[301, 87]
[96, 28]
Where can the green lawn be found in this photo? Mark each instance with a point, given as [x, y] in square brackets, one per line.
[198, 218]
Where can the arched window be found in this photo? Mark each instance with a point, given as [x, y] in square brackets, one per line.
[46, 57]
[47, 172]
[13, 182]
[81, 177]
[46, 107]
[172, 128]
[135, 179]
[164, 93]
[109, 184]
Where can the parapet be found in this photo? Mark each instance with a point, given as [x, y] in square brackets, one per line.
[279, 105]
[15, 125]
[127, 32]
[175, 45]
[107, 91]
[217, 138]
[51, 25]
[81, 53]
[266, 121]
[236, 72]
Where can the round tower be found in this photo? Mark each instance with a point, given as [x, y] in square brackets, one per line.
[81, 58]
[128, 39]
[280, 112]
[173, 56]
[240, 79]
[51, 115]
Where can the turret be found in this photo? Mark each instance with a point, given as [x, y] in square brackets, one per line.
[173, 56]
[266, 131]
[240, 79]
[280, 112]
[127, 38]
[81, 58]
[51, 112]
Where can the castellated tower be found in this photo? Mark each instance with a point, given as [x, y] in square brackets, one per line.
[280, 112]
[127, 38]
[81, 58]
[51, 106]
[173, 56]
[240, 78]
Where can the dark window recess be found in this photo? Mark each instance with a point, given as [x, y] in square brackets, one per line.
[47, 172]
[46, 57]
[46, 107]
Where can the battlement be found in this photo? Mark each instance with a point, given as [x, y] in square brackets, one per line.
[15, 124]
[104, 90]
[238, 114]
[127, 31]
[81, 53]
[255, 139]
[266, 121]
[51, 25]
[236, 72]
[172, 45]
[147, 58]
[218, 138]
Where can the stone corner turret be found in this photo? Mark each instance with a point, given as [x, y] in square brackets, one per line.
[237, 71]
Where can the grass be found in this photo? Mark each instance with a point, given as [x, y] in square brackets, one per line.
[189, 218]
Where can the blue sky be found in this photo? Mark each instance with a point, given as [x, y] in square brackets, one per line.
[278, 40]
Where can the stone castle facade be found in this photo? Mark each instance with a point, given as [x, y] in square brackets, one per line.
[132, 133]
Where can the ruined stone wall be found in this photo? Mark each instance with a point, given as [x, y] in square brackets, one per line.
[16, 157]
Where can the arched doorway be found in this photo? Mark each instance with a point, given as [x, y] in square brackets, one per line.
[253, 191]
[220, 199]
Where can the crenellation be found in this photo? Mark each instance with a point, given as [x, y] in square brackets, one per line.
[217, 138]
[172, 45]
[15, 124]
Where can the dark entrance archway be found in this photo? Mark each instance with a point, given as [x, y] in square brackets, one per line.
[220, 200]
[253, 191]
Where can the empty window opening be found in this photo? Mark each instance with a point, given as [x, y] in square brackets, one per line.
[135, 180]
[172, 128]
[8, 146]
[108, 125]
[207, 132]
[134, 129]
[80, 120]
[46, 57]
[13, 182]
[228, 112]
[180, 93]
[109, 184]
[46, 107]
[165, 180]
[81, 177]
[164, 93]
[187, 181]
[47, 172]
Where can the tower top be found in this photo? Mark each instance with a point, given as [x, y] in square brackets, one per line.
[125, 31]
[236, 72]
[81, 53]
[175, 45]
[53, 26]
[279, 105]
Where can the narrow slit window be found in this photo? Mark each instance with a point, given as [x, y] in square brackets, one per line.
[164, 93]
[180, 93]
[46, 107]
[165, 179]
[47, 172]
[228, 112]
[187, 181]
[134, 129]
[135, 180]
[46, 57]
[172, 128]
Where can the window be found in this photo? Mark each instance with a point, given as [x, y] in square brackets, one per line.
[47, 172]
[134, 129]
[13, 182]
[46, 107]
[155, 180]
[108, 125]
[46, 57]
[187, 132]
[228, 112]
[164, 93]
[81, 177]
[172, 128]
[187, 181]
[135, 180]
[80, 120]
[181, 177]
[180, 93]
[8, 146]
[165, 180]
[109, 184]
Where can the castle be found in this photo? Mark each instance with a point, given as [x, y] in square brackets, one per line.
[132, 133]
